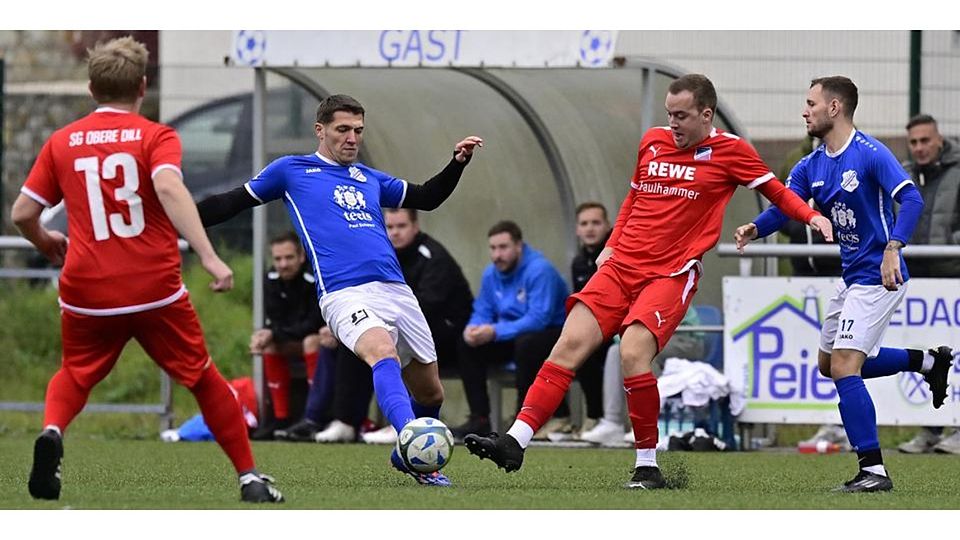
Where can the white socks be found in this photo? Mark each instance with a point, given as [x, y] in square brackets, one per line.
[646, 457]
[521, 432]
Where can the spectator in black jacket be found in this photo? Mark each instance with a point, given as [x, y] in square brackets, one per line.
[292, 327]
[437, 282]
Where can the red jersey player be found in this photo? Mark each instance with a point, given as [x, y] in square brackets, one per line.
[686, 173]
[119, 176]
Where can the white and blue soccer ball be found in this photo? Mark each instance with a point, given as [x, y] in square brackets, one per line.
[425, 445]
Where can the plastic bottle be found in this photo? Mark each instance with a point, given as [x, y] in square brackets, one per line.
[819, 447]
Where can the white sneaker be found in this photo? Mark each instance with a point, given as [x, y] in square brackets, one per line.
[949, 445]
[560, 426]
[605, 433]
[384, 435]
[828, 432]
[336, 432]
[170, 435]
[628, 437]
[922, 443]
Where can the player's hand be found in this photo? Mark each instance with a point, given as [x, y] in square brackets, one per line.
[890, 269]
[222, 274]
[744, 235]
[467, 147]
[55, 247]
[823, 226]
[605, 254]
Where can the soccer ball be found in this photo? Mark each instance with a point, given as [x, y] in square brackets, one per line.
[425, 445]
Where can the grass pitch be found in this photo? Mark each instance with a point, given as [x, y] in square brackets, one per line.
[125, 474]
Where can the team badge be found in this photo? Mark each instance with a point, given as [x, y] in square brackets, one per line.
[849, 181]
[703, 153]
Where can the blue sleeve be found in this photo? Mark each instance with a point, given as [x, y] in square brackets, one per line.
[888, 171]
[270, 183]
[485, 304]
[772, 219]
[392, 190]
[542, 298]
[911, 206]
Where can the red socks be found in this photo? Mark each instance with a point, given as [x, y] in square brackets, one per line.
[643, 402]
[310, 360]
[64, 400]
[277, 372]
[545, 394]
[223, 416]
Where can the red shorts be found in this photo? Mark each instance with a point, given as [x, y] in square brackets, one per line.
[619, 297]
[170, 335]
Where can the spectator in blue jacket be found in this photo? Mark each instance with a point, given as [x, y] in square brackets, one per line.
[517, 317]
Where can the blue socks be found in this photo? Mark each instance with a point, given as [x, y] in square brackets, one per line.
[858, 414]
[887, 362]
[392, 395]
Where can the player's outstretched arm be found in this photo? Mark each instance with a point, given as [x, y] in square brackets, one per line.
[433, 192]
[223, 206]
[26, 216]
[180, 208]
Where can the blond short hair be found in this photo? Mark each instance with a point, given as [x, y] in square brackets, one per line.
[116, 68]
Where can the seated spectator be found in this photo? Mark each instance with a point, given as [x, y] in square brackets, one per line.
[291, 328]
[933, 166]
[517, 317]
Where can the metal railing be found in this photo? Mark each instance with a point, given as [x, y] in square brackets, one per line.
[164, 409]
[827, 250]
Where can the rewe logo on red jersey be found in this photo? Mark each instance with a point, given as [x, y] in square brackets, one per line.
[670, 170]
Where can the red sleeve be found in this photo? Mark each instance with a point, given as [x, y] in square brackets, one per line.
[787, 201]
[746, 167]
[165, 151]
[628, 200]
[41, 184]
[621, 218]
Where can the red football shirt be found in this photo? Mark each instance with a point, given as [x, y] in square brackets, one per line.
[123, 255]
[674, 210]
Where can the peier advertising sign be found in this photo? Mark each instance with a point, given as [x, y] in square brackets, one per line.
[771, 343]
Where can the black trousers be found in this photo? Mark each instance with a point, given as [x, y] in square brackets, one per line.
[590, 376]
[528, 351]
[353, 388]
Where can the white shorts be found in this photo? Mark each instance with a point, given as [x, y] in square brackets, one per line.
[392, 306]
[858, 316]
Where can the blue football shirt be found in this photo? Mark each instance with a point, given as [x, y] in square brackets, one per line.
[335, 210]
[854, 187]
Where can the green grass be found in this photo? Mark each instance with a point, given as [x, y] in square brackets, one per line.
[127, 474]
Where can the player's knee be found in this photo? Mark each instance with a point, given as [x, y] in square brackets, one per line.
[636, 359]
[567, 352]
[430, 395]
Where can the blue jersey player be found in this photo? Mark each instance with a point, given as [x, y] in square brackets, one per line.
[854, 179]
[335, 206]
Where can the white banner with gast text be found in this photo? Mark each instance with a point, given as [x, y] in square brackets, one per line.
[425, 48]
[771, 340]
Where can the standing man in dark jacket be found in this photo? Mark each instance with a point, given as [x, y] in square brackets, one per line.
[934, 166]
[292, 326]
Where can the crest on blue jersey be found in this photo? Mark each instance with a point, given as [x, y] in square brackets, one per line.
[849, 182]
[703, 153]
[356, 174]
